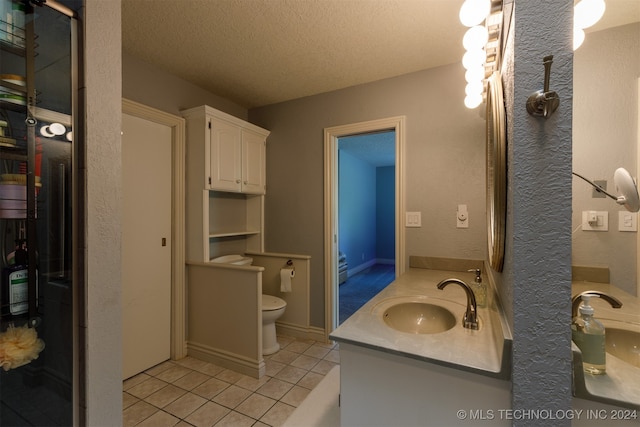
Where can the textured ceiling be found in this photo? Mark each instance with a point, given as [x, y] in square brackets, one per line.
[377, 149]
[260, 52]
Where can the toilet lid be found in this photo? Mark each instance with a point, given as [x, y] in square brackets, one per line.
[269, 302]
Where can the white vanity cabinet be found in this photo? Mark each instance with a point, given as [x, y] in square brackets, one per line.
[232, 152]
[225, 184]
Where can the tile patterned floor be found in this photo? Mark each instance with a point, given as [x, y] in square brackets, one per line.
[191, 392]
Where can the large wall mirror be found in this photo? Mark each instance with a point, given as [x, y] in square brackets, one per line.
[496, 172]
[605, 137]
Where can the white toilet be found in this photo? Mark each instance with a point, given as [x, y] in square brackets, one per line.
[272, 309]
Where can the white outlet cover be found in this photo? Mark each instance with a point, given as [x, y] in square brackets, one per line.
[627, 221]
[602, 221]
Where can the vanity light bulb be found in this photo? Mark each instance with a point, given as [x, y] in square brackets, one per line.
[474, 58]
[474, 74]
[587, 12]
[475, 38]
[44, 131]
[473, 12]
[472, 101]
[57, 129]
[474, 88]
[578, 38]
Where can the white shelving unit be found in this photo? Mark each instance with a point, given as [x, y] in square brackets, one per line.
[225, 184]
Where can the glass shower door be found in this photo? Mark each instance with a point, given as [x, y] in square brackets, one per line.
[37, 317]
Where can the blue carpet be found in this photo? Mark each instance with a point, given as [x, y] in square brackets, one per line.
[360, 288]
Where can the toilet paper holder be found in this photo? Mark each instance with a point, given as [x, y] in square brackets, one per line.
[290, 264]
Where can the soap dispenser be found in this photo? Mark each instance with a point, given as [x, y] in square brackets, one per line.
[589, 335]
[479, 288]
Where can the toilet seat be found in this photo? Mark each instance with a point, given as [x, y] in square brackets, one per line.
[270, 303]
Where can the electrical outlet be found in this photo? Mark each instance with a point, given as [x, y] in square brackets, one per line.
[595, 221]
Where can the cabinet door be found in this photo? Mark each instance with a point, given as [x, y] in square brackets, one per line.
[225, 152]
[253, 162]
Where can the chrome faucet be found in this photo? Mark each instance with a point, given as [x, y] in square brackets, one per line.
[470, 319]
[575, 301]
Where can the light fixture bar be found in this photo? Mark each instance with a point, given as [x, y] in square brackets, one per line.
[60, 8]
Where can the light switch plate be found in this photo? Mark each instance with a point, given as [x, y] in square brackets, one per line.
[413, 219]
[627, 221]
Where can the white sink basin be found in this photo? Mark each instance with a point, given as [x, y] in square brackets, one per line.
[419, 318]
[624, 344]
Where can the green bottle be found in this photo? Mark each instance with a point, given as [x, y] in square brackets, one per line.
[589, 335]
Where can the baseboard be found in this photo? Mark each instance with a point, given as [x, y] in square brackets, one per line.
[297, 331]
[358, 268]
[235, 362]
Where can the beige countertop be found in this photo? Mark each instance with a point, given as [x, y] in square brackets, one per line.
[621, 384]
[485, 351]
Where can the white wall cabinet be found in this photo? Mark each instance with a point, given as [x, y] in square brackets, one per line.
[237, 158]
[233, 151]
[225, 184]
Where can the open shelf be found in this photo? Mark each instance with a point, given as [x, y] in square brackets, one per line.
[215, 235]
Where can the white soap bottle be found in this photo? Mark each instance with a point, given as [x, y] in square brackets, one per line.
[589, 335]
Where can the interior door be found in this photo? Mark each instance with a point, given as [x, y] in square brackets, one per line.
[146, 244]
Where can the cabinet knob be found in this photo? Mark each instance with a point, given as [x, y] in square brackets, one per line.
[237, 181]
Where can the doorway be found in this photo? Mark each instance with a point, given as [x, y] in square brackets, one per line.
[395, 125]
[366, 218]
[177, 330]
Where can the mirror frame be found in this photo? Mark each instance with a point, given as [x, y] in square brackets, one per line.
[496, 172]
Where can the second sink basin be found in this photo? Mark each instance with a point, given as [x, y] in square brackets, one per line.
[624, 344]
[419, 318]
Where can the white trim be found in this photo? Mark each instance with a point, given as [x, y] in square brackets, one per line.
[331, 136]
[226, 359]
[297, 331]
[178, 309]
[638, 175]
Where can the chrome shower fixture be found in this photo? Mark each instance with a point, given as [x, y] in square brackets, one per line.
[544, 102]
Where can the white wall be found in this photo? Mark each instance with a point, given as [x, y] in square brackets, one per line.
[606, 72]
[148, 85]
[445, 166]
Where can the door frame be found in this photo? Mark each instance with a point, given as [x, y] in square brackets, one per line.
[331, 135]
[637, 175]
[178, 348]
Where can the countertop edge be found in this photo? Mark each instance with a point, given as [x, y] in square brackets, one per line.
[500, 374]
